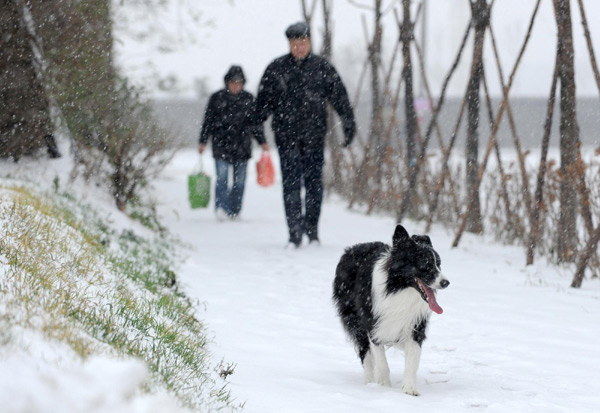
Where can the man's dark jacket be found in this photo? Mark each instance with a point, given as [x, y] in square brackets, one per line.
[228, 120]
[295, 93]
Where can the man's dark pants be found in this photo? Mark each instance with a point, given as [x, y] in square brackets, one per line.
[302, 167]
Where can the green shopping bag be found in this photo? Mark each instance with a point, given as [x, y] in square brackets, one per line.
[199, 189]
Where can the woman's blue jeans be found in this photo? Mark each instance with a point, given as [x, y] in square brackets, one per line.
[230, 197]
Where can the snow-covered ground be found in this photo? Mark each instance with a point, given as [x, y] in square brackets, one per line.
[38, 375]
[511, 338]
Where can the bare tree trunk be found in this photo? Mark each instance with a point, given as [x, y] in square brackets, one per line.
[375, 168]
[538, 205]
[569, 135]
[24, 107]
[406, 36]
[307, 12]
[326, 50]
[481, 14]
[376, 101]
[333, 147]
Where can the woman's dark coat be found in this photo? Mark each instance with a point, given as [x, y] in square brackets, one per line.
[228, 120]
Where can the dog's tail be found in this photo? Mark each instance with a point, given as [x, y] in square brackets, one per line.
[345, 297]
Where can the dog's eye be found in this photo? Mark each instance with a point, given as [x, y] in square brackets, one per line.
[395, 267]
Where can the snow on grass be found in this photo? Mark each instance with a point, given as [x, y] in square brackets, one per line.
[42, 375]
[79, 292]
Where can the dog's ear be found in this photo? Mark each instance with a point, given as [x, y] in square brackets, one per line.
[400, 235]
[423, 239]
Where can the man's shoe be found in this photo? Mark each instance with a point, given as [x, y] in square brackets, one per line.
[294, 243]
[314, 242]
[292, 246]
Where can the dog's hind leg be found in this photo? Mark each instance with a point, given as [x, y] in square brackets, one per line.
[366, 358]
[380, 365]
[412, 354]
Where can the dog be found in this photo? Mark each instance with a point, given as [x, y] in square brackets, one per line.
[384, 296]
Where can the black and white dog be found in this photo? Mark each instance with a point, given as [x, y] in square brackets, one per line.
[384, 296]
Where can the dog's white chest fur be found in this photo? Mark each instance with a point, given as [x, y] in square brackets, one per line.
[397, 314]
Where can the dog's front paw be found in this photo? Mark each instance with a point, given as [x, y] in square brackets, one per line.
[410, 390]
[384, 380]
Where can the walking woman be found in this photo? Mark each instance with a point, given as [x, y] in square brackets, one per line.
[228, 121]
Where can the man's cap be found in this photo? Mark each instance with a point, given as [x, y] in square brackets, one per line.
[235, 74]
[298, 30]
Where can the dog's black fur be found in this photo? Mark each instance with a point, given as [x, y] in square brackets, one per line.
[388, 313]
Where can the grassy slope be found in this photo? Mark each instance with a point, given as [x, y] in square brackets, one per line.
[70, 274]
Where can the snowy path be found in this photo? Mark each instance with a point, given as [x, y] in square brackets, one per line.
[510, 339]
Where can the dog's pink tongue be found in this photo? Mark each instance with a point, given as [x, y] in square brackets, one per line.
[433, 305]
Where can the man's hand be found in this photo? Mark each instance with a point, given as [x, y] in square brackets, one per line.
[349, 132]
[201, 148]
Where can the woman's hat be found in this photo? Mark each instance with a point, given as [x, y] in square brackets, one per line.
[235, 74]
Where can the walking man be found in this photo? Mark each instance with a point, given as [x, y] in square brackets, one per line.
[294, 90]
[229, 121]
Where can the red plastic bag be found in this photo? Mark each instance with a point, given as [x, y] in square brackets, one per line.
[265, 172]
